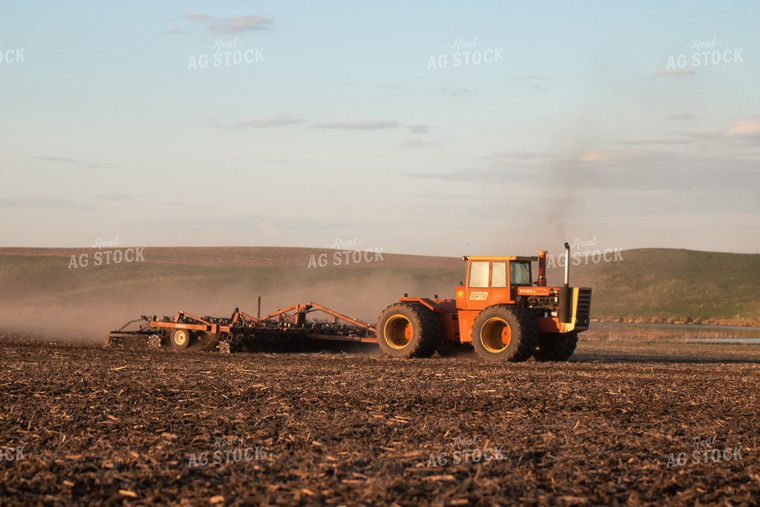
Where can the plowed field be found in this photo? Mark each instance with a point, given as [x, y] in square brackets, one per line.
[625, 423]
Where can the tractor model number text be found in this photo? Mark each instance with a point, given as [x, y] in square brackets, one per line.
[478, 295]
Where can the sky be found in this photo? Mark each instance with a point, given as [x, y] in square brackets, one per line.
[436, 128]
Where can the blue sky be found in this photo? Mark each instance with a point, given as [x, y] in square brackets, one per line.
[575, 129]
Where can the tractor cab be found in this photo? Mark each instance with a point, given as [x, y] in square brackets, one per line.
[493, 280]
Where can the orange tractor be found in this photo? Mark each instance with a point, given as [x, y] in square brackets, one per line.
[501, 311]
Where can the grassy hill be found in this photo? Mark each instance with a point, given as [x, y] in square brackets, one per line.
[676, 285]
[41, 291]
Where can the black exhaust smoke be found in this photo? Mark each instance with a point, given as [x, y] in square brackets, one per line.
[565, 303]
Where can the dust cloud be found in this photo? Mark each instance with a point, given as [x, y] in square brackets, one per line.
[54, 303]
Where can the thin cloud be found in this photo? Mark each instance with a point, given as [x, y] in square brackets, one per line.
[278, 121]
[622, 171]
[607, 156]
[743, 128]
[64, 160]
[703, 137]
[419, 144]
[531, 77]
[200, 18]
[117, 196]
[675, 73]
[419, 129]
[664, 142]
[456, 92]
[232, 24]
[50, 203]
[453, 176]
[360, 125]
[535, 86]
[683, 116]
[521, 156]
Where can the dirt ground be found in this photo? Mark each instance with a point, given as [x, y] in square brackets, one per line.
[621, 423]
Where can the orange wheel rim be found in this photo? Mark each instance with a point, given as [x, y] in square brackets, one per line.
[495, 335]
[398, 332]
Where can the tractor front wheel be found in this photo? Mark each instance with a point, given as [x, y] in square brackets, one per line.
[555, 346]
[504, 332]
[408, 330]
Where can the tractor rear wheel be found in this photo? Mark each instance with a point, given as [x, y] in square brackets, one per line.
[181, 339]
[555, 346]
[408, 330]
[504, 332]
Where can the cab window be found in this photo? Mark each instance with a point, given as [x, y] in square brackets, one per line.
[479, 274]
[519, 273]
[499, 274]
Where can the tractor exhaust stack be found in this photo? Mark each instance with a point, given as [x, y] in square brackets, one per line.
[565, 303]
[541, 282]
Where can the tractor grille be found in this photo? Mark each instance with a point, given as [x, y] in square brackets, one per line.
[583, 310]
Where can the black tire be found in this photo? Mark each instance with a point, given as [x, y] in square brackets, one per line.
[571, 341]
[555, 346]
[504, 333]
[181, 339]
[408, 330]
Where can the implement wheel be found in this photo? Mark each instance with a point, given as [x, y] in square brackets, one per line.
[555, 346]
[181, 339]
[408, 330]
[504, 332]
